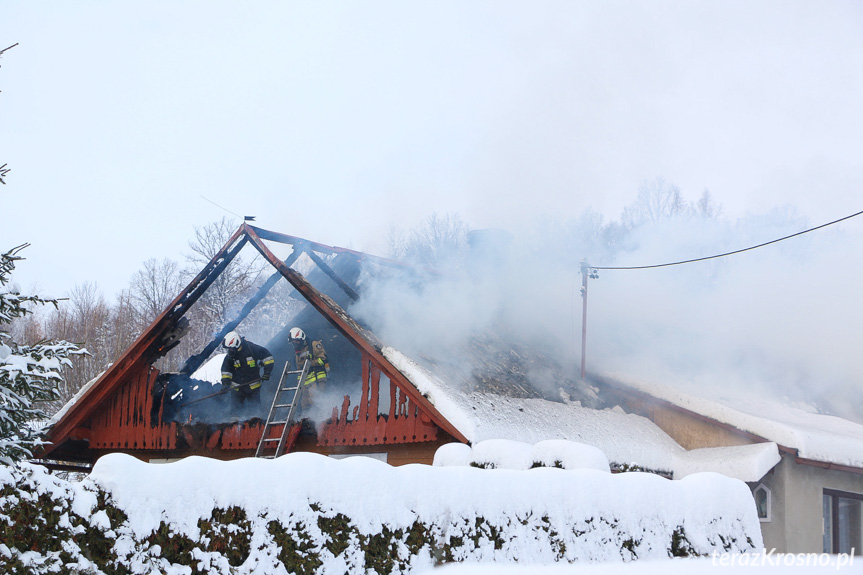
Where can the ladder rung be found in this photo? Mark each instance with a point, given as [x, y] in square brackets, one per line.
[280, 448]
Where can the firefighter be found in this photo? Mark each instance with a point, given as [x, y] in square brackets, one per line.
[319, 367]
[244, 369]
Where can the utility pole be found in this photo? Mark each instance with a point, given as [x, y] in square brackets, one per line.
[586, 272]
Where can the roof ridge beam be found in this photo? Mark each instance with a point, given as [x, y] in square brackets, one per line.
[329, 250]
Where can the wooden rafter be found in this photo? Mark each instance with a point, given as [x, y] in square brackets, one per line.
[333, 275]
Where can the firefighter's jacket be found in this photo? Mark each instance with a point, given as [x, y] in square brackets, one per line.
[320, 365]
[244, 364]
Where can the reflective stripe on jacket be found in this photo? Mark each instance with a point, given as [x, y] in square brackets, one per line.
[244, 365]
[319, 365]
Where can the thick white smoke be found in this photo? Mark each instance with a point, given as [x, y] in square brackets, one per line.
[782, 319]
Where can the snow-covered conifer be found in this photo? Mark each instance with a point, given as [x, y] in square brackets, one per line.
[29, 374]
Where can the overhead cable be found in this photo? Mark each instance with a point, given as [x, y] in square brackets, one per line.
[728, 253]
[223, 208]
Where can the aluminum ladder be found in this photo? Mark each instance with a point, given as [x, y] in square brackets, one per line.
[282, 413]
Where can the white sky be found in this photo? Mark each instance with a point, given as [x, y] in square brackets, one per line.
[333, 121]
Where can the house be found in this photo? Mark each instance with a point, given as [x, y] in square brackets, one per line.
[810, 498]
[401, 407]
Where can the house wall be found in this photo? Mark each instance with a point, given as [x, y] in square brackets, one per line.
[691, 432]
[804, 486]
[397, 454]
[773, 531]
[797, 490]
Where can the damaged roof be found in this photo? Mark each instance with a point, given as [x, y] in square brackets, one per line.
[496, 398]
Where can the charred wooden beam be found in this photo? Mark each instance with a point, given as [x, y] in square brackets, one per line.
[193, 363]
[360, 337]
[333, 275]
[195, 290]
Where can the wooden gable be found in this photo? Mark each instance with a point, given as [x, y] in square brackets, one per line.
[120, 413]
[406, 422]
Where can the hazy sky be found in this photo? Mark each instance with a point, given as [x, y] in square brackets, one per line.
[333, 121]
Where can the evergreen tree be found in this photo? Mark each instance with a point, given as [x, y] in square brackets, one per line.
[29, 374]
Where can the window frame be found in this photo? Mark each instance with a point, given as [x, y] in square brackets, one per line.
[835, 494]
[768, 500]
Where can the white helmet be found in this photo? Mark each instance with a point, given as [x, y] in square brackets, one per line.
[232, 340]
[297, 335]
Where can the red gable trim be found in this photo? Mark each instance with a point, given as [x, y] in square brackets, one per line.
[138, 351]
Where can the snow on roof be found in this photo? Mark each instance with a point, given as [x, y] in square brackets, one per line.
[624, 438]
[743, 462]
[445, 399]
[816, 436]
[68, 405]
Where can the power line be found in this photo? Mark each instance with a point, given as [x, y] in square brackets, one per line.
[222, 207]
[728, 253]
[587, 271]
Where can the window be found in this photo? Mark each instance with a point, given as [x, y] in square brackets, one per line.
[843, 522]
[762, 502]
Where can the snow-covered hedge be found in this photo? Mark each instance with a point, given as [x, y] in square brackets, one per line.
[508, 454]
[305, 513]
